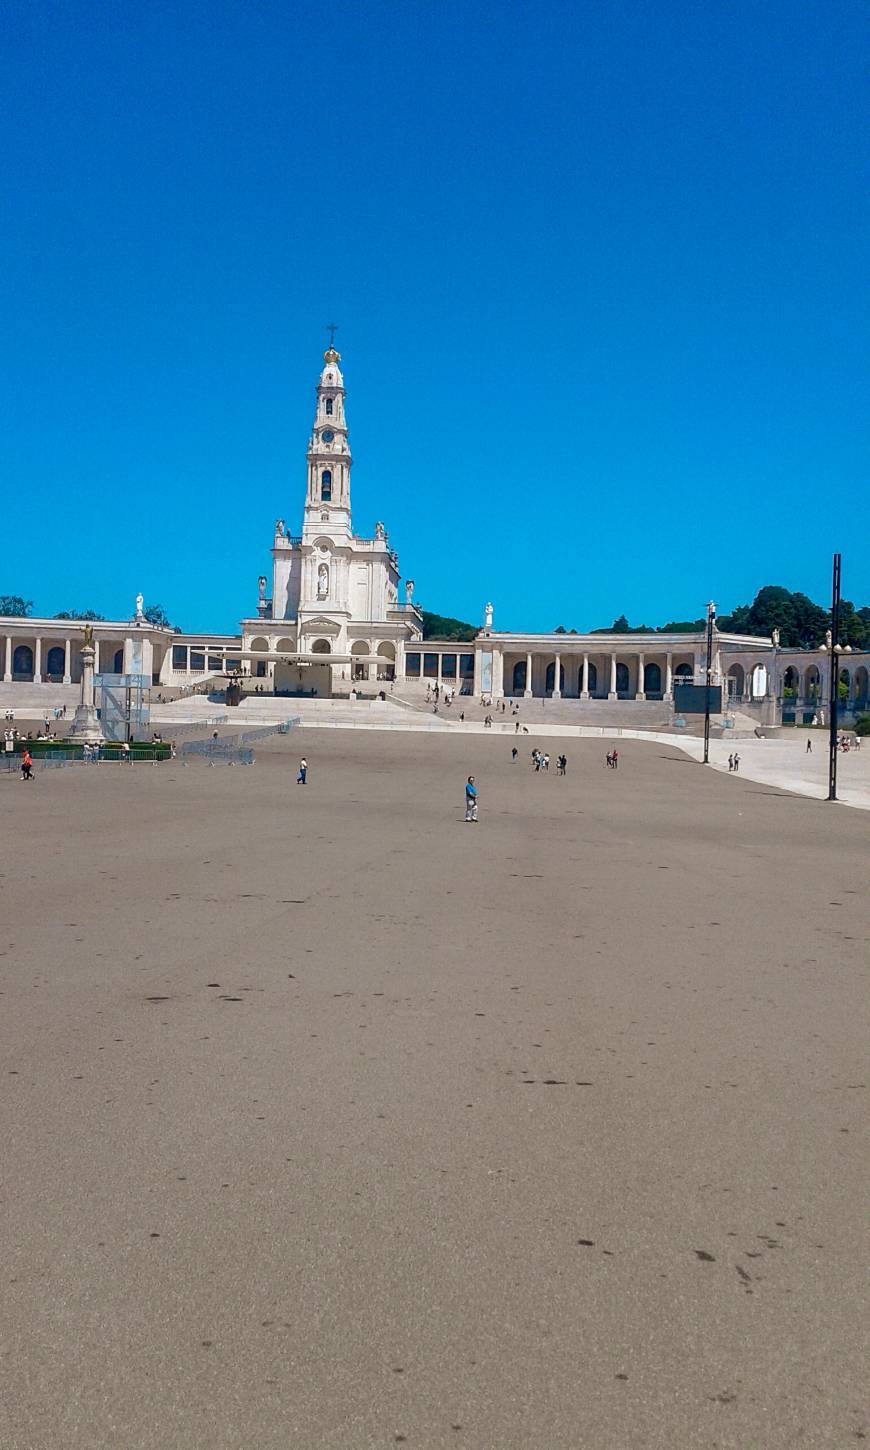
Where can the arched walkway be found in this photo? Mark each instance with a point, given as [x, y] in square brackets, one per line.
[359, 668]
[386, 652]
[22, 662]
[55, 661]
[735, 683]
[518, 679]
[652, 681]
[260, 668]
[623, 679]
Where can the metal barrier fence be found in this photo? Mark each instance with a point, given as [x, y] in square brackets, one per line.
[95, 756]
[228, 752]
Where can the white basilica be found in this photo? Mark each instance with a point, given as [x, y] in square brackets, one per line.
[334, 612]
[333, 624]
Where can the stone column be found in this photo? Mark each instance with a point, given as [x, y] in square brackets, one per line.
[96, 649]
[669, 676]
[7, 672]
[85, 724]
[498, 673]
[640, 693]
[527, 692]
[612, 693]
[37, 661]
[557, 672]
[439, 662]
[67, 675]
[584, 688]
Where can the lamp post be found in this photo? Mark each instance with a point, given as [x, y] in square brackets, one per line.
[835, 680]
[711, 616]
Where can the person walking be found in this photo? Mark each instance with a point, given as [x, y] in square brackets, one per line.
[470, 799]
[514, 754]
[27, 766]
[809, 749]
[736, 762]
[303, 772]
[616, 760]
[546, 761]
[730, 762]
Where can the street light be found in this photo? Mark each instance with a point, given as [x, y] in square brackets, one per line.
[835, 680]
[711, 616]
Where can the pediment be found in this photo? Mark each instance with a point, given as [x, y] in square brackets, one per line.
[321, 625]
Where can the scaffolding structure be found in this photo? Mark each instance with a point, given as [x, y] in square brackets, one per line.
[123, 703]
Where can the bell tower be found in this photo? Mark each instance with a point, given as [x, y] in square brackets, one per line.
[327, 501]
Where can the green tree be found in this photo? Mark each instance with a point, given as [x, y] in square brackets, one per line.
[14, 605]
[156, 615]
[442, 626]
[82, 614]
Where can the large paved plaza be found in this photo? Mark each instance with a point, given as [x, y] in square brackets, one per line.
[331, 1121]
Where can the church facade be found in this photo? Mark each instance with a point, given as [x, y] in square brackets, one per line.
[334, 617]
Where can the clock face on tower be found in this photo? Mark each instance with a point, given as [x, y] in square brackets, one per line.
[327, 436]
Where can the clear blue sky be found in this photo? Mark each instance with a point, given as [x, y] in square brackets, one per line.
[597, 268]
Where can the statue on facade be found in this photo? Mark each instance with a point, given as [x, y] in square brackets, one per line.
[829, 639]
[140, 604]
[775, 639]
[487, 616]
[279, 528]
[380, 531]
[409, 591]
[322, 581]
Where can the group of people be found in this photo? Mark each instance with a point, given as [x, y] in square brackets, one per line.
[613, 759]
[734, 762]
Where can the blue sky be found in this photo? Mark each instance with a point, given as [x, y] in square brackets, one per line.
[597, 268]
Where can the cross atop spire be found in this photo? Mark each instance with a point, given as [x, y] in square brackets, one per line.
[332, 329]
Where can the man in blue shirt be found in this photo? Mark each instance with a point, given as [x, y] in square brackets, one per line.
[470, 799]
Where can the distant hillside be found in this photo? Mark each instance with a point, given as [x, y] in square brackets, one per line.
[441, 626]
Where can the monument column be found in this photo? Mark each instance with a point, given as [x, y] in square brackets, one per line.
[669, 676]
[639, 693]
[37, 661]
[86, 726]
[527, 692]
[612, 693]
[7, 672]
[584, 689]
[67, 676]
[557, 677]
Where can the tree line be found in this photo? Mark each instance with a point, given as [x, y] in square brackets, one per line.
[19, 608]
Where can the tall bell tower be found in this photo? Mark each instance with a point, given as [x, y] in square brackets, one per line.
[327, 501]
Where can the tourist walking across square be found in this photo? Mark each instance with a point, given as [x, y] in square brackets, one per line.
[470, 799]
[303, 772]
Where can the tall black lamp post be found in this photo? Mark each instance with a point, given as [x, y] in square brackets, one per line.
[711, 617]
[835, 681]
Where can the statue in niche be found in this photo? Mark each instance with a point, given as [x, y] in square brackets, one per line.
[380, 531]
[322, 581]
[409, 590]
